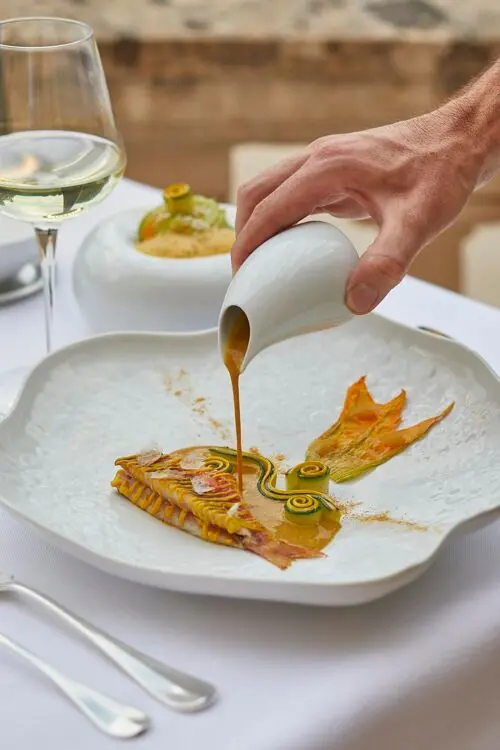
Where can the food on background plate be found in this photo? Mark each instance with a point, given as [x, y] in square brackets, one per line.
[366, 435]
[195, 489]
[185, 226]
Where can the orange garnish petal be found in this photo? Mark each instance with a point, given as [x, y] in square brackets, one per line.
[366, 435]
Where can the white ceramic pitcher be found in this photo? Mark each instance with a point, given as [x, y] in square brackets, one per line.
[294, 283]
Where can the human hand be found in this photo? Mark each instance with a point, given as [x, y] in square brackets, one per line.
[413, 178]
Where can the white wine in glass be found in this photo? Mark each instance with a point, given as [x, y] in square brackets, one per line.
[60, 151]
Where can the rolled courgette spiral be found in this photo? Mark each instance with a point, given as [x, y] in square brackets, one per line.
[303, 509]
[178, 198]
[217, 464]
[309, 475]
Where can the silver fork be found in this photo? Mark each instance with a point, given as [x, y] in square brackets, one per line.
[174, 689]
[110, 717]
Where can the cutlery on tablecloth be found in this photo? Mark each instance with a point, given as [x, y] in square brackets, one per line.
[111, 717]
[174, 689]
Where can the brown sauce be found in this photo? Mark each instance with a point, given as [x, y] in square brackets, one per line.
[270, 513]
[272, 516]
[236, 347]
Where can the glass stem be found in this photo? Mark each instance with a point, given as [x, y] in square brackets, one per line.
[46, 241]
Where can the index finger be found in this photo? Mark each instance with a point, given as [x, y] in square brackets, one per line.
[299, 196]
[255, 190]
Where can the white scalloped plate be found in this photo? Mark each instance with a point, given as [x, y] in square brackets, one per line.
[120, 393]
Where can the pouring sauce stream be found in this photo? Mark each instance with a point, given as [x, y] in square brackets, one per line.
[236, 347]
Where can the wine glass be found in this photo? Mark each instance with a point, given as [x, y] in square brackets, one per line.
[60, 151]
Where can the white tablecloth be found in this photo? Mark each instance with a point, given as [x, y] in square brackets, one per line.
[418, 669]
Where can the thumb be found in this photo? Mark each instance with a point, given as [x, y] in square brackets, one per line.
[382, 266]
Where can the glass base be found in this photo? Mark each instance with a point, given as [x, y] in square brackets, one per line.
[10, 385]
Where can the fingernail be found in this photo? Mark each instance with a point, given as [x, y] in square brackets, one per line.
[362, 298]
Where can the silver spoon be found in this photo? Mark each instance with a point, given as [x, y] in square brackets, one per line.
[174, 689]
[109, 716]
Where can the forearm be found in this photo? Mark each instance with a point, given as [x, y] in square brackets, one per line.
[475, 116]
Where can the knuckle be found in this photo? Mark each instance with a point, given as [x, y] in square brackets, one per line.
[347, 145]
[318, 142]
[325, 150]
[390, 267]
[326, 147]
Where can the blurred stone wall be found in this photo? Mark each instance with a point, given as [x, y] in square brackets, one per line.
[174, 19]
[191, 78]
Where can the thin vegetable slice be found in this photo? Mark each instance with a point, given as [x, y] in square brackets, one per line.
[366, 435]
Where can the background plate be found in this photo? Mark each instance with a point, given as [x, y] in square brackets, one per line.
[121, 393]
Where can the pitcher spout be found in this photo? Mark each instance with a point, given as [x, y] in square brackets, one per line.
[293, 284]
